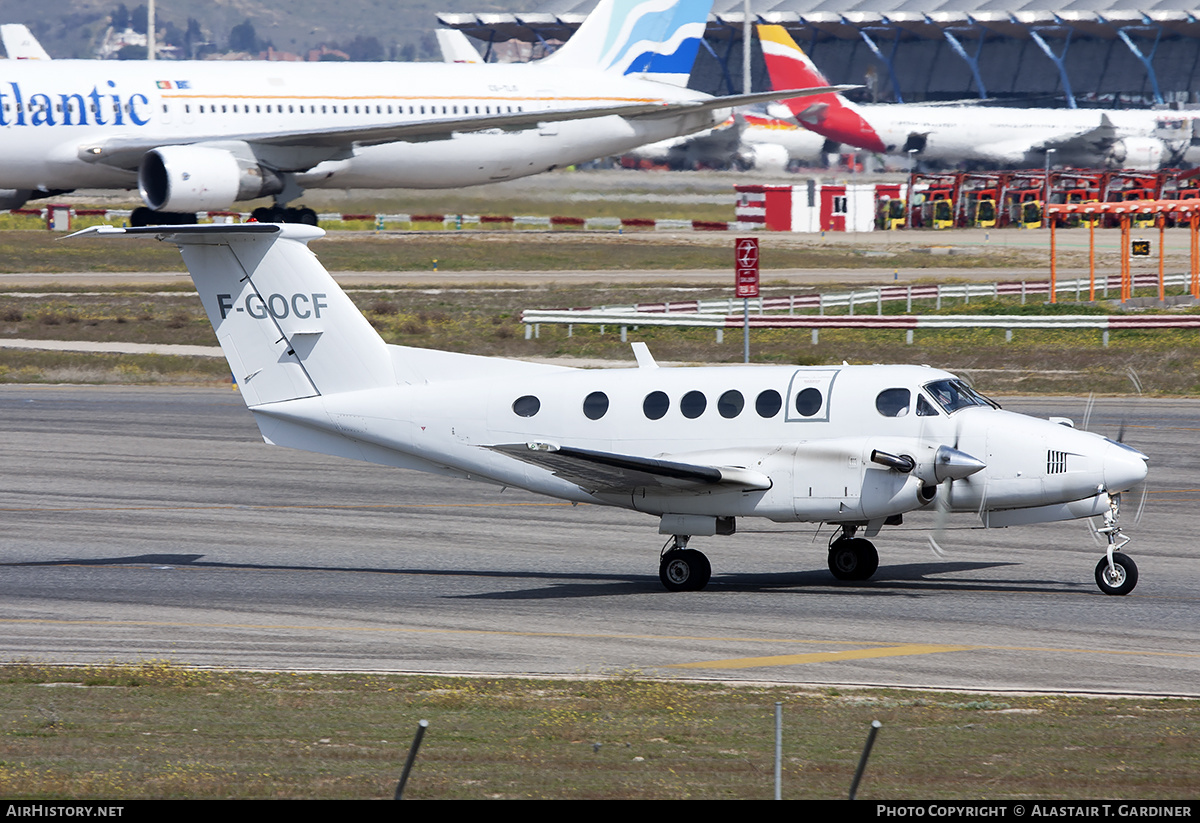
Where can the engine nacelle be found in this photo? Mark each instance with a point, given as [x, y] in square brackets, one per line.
[1138, 153]
[14, 198]
[201, 178]
[765, 156]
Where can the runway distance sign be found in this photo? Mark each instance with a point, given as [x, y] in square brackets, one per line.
[746, 263]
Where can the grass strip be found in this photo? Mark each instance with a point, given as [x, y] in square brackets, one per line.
[44, 252]
[160, 730]
[487, 321]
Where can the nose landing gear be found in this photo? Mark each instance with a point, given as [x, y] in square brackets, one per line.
[1116, 573]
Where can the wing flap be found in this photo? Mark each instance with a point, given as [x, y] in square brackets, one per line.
[597, 471]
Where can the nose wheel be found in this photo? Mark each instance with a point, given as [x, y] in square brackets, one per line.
[1116, 573]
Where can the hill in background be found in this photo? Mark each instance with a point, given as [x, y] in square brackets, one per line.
[399, 29]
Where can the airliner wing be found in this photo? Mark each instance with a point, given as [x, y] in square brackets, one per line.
[1096, 140]
[126, 151]
[597, 471]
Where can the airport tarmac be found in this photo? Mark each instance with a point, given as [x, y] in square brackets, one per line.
[153, 523]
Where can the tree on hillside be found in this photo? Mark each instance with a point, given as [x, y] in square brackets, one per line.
[242, 37]
[120, 18]
[139, 19]
[365, 49]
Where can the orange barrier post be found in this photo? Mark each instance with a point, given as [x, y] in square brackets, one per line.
[1126, 292]
[1092, 259]
[1053, 274]
[1162, 237]
[1194, 226]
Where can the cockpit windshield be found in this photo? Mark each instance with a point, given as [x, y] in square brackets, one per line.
[953, 395]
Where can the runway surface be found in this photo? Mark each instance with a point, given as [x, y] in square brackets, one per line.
[153, 523]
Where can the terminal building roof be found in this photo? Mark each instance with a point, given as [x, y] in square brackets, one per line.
[1086, 52]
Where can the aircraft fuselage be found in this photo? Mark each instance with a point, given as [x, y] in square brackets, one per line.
[52, 112]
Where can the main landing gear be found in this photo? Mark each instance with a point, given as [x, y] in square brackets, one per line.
[142, 216]
[279, 214]
[682, 569]
[1116, 573]
[850, 557]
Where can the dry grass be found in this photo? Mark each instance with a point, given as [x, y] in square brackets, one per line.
[162, 731]
[42, 252]
[487, 321]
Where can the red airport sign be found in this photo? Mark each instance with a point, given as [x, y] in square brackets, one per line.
[746, 264]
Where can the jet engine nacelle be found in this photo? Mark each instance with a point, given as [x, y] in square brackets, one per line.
[765, 156]
[14, 198]
[1138, 153]
[200, 178]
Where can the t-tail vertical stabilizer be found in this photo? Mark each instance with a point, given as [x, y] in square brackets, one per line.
[285, 326]
[655, 39]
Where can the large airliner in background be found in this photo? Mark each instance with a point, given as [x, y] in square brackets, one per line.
[983, 135]
[197, 136]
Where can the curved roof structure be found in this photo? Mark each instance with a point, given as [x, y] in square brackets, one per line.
[1077, 52]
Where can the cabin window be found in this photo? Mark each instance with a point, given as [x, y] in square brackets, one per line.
[656, 404]
[893, 402]
[730, 404]
[925, 408]
[595, 405]
[526, 406]
[768, 403]
[808, 402]
[693, 404]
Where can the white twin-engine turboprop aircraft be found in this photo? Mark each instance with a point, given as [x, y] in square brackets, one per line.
[200, 135]
[853, 446]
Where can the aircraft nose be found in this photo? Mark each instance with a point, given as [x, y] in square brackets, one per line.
[1124, 467]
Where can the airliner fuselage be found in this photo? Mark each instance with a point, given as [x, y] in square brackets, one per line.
[65, 124]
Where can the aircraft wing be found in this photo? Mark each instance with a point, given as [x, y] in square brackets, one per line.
[1097, 140]
[597, 471]
[126, 151]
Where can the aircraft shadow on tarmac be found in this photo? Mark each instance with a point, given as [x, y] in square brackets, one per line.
[902, 580]
[910, 580]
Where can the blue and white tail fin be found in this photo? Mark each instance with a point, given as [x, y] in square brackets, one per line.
[654, 39]
[285, 326]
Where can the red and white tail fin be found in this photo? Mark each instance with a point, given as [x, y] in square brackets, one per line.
[829, 115]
